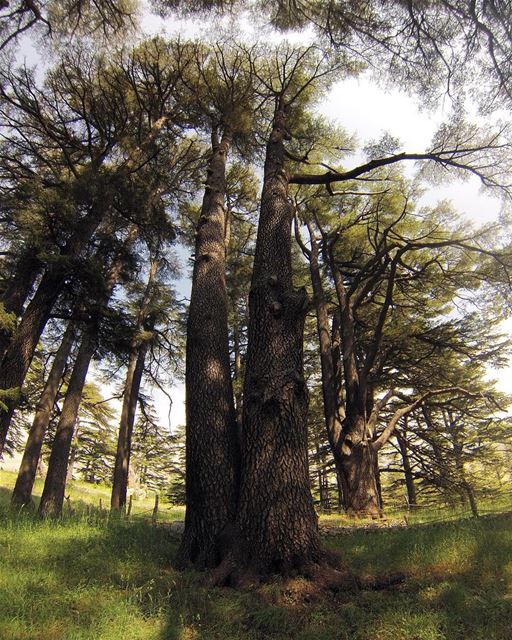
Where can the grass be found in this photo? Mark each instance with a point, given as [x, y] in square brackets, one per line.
[78, 579]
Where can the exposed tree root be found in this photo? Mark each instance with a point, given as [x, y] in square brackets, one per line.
[324, 573]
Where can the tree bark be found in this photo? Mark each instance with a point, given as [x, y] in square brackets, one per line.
[212, 457]
[55, 483]
[124, 441]
[359, 461]
[276, 525]
[406, 463]
[19, 354]
[356, 456]
[22, 493]
[18, 289]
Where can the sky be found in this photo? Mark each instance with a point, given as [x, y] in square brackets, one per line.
[362, 108]
[367, 110]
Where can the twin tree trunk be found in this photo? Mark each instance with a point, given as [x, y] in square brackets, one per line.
[22, 493]
[211, 437]
[271, 524]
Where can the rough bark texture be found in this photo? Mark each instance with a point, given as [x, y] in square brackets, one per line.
[355, 455]
[55, 483]
[359, 462]
[22, 493]
[211, 436]
[276, 523]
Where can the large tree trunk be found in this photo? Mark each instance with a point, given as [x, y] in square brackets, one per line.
[124, 440]
[359, 462]
[211, 435]
[18, 289]
[355, 455]
[22, 493]
[55, 483]
[276, 523]
[19, 354]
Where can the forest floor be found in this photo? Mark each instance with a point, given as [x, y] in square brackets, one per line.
[85, 578]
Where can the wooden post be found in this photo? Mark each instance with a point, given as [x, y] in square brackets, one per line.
[155, 510]
[128, 513]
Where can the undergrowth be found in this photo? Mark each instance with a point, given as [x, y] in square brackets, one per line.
[86, 579]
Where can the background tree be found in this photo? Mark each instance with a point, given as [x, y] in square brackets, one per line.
[384, 320]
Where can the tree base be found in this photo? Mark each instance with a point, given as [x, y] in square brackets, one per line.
[324, 574]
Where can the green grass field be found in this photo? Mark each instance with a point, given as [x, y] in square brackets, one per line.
[84, 578]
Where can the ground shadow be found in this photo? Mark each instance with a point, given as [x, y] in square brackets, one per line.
[98, 580]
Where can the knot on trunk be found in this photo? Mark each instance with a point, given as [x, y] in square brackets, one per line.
[276, 308]
[297, 301]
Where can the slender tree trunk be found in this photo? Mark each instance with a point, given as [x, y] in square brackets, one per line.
[467, 490]
[53, 492]
[22, 493]
[72, 455]
[124, 441]
[211, 435]
[131, 394]
[341, 492]
[472, 499]
[55, 483]
[18, 289]
[276, 522]
[328, 339]
[19, 354]
[406, 463]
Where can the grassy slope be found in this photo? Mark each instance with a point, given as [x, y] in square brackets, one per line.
[79, 580]
[83, 494]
